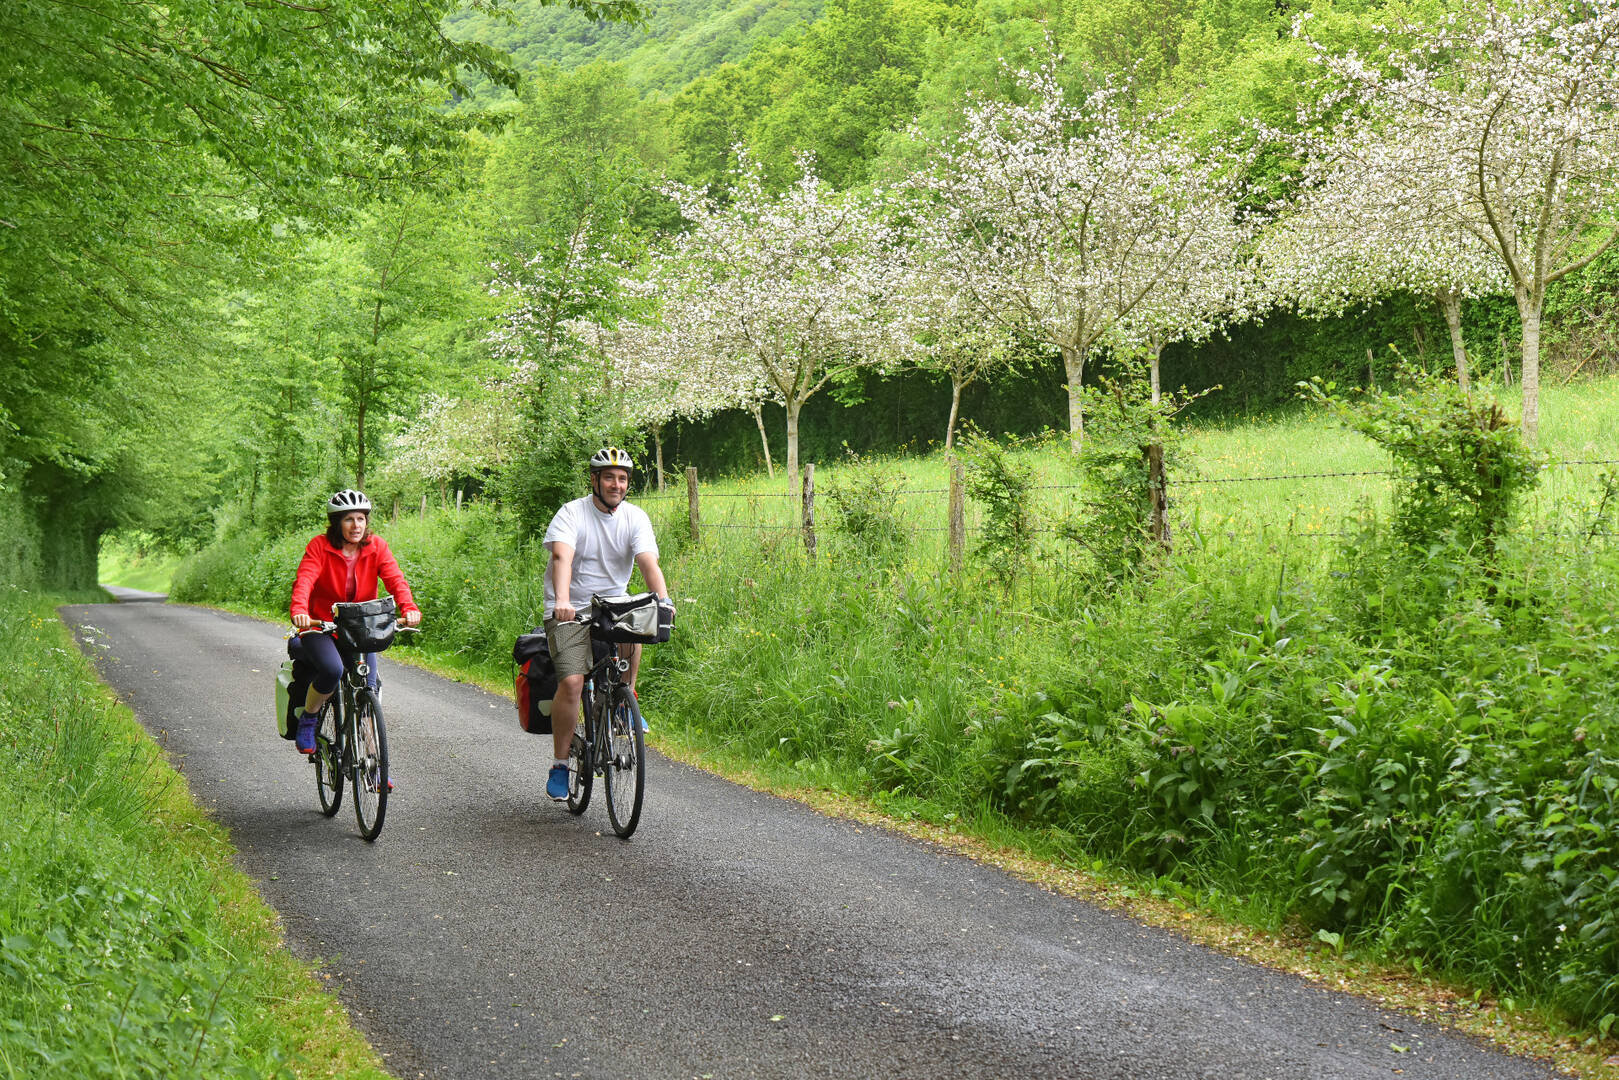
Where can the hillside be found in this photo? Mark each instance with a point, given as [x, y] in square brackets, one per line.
[680, 40]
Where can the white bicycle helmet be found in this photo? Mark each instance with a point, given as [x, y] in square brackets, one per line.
[347, 500]
[611, 457]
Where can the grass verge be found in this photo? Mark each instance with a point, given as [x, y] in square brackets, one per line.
[129, 943]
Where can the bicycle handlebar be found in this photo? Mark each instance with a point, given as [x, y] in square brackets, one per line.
[329, 627]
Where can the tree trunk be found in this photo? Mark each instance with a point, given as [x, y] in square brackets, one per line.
[1530, 305]
[793, 408]
[955, 412]
[359, 449]
[1450, 302]
[1073, 363]
[1154, 352]
[764, 438]
[657, 442]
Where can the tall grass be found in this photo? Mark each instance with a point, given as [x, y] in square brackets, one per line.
[129, 945]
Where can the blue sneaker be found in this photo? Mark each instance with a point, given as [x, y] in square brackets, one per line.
[305, 739]
[556, 785]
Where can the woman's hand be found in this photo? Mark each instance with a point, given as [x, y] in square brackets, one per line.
[413, 618]
[301, 621]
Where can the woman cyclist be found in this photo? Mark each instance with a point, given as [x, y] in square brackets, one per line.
[339, 566]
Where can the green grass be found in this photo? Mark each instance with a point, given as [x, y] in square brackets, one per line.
[131, 568]
[129, 944]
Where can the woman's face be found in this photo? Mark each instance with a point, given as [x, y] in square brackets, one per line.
[353, 526]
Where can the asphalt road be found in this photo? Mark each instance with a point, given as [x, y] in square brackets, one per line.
[489, 934]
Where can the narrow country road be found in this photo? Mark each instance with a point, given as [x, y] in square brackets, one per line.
[488, 934]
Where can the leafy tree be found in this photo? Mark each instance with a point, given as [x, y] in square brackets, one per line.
[147, 151]
[1064, 220]
[795, 284]
[1502, 121]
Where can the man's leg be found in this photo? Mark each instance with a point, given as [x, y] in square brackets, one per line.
[565, 714]
[570, 652]
[635, 662]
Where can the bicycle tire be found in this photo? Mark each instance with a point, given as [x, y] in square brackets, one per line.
[581, 774]
[329, 759]
[369, 751]
[625, 774]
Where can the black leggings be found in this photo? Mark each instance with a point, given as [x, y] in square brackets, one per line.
[318, 661]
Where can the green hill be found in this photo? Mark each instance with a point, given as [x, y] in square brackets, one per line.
[680, 40]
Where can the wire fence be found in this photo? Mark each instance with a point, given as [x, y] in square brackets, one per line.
[1565, 507]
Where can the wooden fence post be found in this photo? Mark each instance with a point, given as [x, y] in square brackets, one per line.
[809, 511]
[691, 503]
[958, 512]
[1157, 497]
[424, 506]
[458, 493]
[396, 509]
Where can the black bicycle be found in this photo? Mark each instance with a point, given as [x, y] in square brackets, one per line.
[610, 741]
[351, 740]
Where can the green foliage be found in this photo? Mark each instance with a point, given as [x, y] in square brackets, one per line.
[1004, 486]
[1462, 463]
[1123, 426]
[866, 513]
[675, 43]
[126, 947]
[551, 467]
[20, 541]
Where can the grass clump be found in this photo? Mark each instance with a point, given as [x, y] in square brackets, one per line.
[129, 945]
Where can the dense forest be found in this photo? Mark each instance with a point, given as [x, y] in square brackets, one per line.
[247, 259]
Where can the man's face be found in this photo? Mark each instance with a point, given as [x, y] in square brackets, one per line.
[610, 486]
[353, 525]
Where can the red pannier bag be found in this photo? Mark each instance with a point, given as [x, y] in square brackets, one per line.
[535, 683]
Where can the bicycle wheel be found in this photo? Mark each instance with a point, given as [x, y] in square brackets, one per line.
[580, 774]
[625, 774]
[370, 753]
[329, 759]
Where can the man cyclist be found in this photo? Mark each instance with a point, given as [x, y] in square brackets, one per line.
[594, 542]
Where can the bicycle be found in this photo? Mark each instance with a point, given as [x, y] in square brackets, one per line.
[610, 740]
[351, 740]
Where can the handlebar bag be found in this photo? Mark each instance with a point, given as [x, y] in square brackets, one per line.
[639, 619]
[367, 626]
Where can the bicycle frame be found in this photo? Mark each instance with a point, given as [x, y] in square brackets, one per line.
[353, 748]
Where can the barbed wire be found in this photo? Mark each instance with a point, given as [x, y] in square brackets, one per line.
[1173, 482]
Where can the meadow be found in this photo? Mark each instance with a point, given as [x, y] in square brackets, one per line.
[1291, 720]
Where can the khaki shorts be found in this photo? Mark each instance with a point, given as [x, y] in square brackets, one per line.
[570, 647]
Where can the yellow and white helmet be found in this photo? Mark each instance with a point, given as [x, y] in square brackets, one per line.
[611, 457]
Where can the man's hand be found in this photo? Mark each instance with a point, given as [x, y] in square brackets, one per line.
[301, 621]
[413, 618]
[564, 611]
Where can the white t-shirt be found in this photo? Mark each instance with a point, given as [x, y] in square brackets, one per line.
[604, 549]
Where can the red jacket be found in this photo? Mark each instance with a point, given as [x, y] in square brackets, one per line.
[323, 578]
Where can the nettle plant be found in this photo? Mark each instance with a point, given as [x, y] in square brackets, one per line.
[1131, 422]
[865, 507]
[1462, 464]
[1004, 487]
